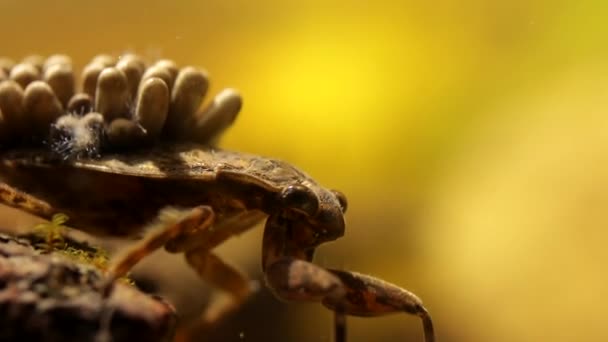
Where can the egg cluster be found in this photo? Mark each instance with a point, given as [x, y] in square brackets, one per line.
[121, 103]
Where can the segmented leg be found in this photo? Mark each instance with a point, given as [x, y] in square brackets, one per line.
[221, 275]
[212, 269]
[227, 227]
[367, 296]
[291, 276]
[196, 233]
[20, 200]
[173, 224]
[298, 280]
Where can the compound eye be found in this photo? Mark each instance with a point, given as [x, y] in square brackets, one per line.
[341, 199]
[300, 198]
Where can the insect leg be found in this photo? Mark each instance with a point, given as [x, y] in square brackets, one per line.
[367, 296]
[20, 200]
[221, 275]
[298, 280]
[213, 236]
[211, 268]
[290, 275]
[172, 224]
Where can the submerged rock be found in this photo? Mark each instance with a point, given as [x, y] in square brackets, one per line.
[50, 297]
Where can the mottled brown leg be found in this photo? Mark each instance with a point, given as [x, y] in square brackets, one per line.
[212, 269]
[298, 280]
[223, 276]
[291, 276]
[212, 236]
[20, 200]
[173, 223]
[368, 296]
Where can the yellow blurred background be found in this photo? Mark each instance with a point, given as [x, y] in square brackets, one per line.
[470, 136]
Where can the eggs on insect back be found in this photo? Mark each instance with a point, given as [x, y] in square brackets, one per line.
[120, 103]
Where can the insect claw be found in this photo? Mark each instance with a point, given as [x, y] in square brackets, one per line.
[427, 325]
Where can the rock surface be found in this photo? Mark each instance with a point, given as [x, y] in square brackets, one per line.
[49, 297]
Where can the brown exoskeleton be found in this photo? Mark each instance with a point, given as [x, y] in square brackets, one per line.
[131, 145]
[120, 194]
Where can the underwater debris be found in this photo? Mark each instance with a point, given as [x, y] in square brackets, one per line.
[52, 232]
[53, 237]
[50, 297]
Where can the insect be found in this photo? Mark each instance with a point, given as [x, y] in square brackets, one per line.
[230, 192]
[196, 197]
